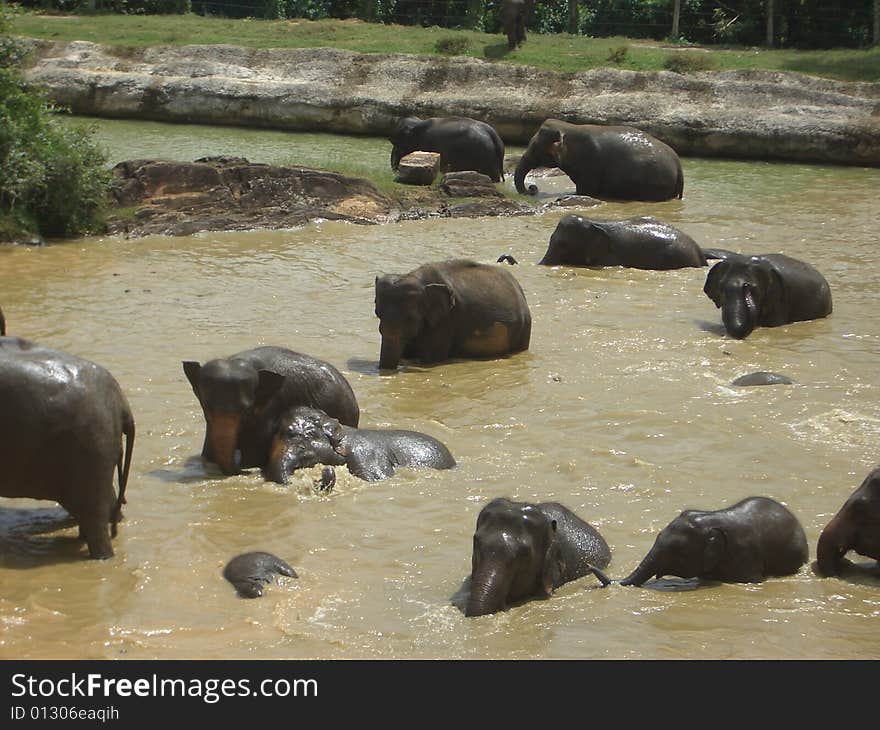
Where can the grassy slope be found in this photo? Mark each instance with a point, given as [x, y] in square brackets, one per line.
[556, 52]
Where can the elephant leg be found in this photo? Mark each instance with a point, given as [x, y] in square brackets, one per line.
[94, 529]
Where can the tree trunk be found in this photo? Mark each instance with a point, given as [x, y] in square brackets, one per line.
[573, 20]
[676, 14]
[770, 34]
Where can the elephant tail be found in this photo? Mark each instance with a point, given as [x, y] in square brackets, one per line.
[679, 183]
[123, 467]
[498, 143]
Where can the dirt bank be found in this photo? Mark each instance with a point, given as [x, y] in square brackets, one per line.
[743, 114]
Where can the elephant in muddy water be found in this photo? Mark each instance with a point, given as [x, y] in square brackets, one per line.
[523, 550]
[766, 291]
[641, 243]
[307, 437]
[62, 424]
[463, 144]
[454, 308]
[745, 543]
[244, 395]
[856, 526]
[249, 572]
[618, 163]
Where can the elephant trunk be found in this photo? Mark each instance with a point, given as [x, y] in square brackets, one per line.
[834, 542]
[391, 352]
[223, 441]
[740, 315]
[526, 164]
[280, 464]
[489, 588]
[647, 568]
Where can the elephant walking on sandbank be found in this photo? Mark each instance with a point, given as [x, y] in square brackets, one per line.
[524, 550]
[613, 162]
[62, 424]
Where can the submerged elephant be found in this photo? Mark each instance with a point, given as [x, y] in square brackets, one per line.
[640, 243]
[621, 163]
[249, 572]
[243, 396]
[307, 437]
[523, 550]
[514, 18]
[745, 543]
[62, 424]
[454, 308]
[766, 291]
[463, 144]
[856, 526]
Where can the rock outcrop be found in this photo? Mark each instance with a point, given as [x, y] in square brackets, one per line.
[743, 114]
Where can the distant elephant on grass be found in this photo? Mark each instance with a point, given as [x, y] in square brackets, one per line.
[523, 550]
[307, 437]
[753, 539]
[514, 18]
[642, 242]
[243, 396]
[463, 144]
[856, 526]
[62, 423]
[618, 163]
[454, 308]
[766, 291]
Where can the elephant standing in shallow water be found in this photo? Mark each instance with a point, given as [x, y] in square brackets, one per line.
[856, 526]
[766, 291]
[744, 543]
[463, 144]
[620, 163]
[455, 308]
[307, 437]
[244, 395]
[62, 423]
[524, 550]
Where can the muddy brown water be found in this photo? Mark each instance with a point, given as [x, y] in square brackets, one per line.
[622, 409]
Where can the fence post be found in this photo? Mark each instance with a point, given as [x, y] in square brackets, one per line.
[676, 15]
[769, 41]
[876, 22]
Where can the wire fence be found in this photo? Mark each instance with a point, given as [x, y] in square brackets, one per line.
[792, 23]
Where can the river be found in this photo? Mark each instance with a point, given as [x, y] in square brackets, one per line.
[622, 409]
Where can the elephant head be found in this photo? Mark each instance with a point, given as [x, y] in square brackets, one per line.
[230, 392]
[686, 547]
[546, 149]
[747, 289]
[856, 526]
[406, 305]
[516, 555]
[406, 138]
[305, 437]
[577, 241]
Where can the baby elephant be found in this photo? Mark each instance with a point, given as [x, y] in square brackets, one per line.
[524, 550]
[856, 526]
[249, 572]
[745, 543]
[307, 436]
[638, 243]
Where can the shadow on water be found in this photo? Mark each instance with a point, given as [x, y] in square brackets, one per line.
[679, 585]
[194, 470]
[25, 541]
[715, 328]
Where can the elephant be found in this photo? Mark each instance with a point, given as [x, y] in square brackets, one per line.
[307, 436]
[745, 543]
[514, 18]
[641, 243]
[856, 526]
[761, 377]
[62, 424]
[2, 324]
[766, 291]
[524, 550]
[453, 308]
[249, 572]
[614, 162]
[463, 144]
[243, 396]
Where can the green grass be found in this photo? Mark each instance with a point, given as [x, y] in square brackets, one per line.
[561, 52]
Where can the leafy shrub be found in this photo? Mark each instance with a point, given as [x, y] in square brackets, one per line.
[618, 55]
[684, 63]
[452, 45]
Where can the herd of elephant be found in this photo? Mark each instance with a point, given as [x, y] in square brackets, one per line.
[277, 410]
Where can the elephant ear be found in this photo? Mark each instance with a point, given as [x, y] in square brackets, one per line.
[439, 301]
[192, 369]
[554, 566]
[716, 546]
[268, 385]
[714, 279]
[334, 433]
[600, 239]
[773, 289]
[556, 148]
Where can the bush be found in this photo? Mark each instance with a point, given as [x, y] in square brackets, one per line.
[53, 181]
[618, 55]
[452, 45]
[688, 62]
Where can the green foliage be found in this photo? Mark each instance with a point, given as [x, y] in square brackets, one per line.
[53, 181]
[618, 55]
[452, 45]
[688, 62]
